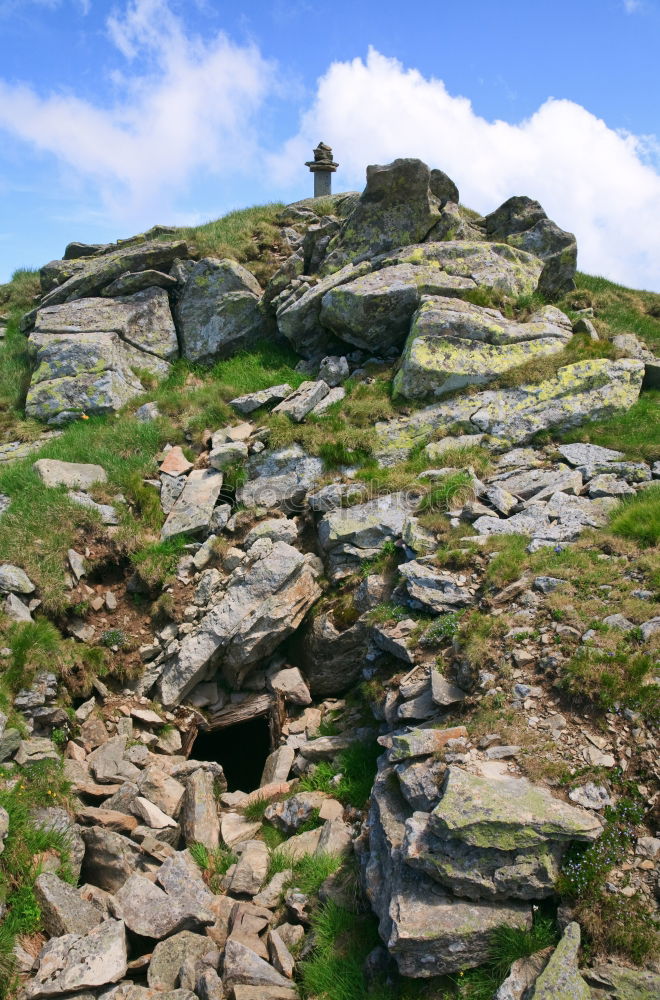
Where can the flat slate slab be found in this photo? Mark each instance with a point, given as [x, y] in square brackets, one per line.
[75, 475]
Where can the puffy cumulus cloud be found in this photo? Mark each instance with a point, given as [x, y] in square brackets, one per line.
[593, 180]
[183, 106]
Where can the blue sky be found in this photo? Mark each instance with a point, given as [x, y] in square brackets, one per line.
[118, 115]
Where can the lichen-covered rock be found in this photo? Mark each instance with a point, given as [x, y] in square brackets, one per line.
[522, 223]
[265, 600]
[617, 982]
[76, 962]
[586, 390]
[87, 353]
[82, 278]
[350, 534]
[508, 814]
[142, 319]
[14, 580]
[426, 930]
[217, 313]
[374, 310]
[453, 344]
[396, 208]
[478, 872]
[103, 383]
[561, 980]
[280, 479]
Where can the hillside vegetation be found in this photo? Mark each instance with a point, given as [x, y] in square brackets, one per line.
[533, 654]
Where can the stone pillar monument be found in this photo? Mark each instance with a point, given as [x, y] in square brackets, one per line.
[323, 167]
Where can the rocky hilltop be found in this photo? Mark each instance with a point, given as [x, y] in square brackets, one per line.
[330, 613]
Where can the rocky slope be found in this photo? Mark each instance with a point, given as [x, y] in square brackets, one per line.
[359, 693]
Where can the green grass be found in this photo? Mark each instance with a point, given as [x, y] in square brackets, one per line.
[617, 309]
[343, 941]
[190, 401]
[213, 863]
[16, 298]
[272, 837]
[310, 871]
[507, 945]
[357, 766]
[613, 678]
[476, 634]
[38, 645]
[635, 432]
[38, 785]
[454, 490]
[254, 811]
[638, 518]
[248, 235]
[156, 562]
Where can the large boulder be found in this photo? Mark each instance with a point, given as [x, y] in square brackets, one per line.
[142, 319]
[522, 223]
[586, 390]
[349, 535]
[374, 311]
[454, 344]
[495, 839]
[88, 353]
[396, 208]
[95, 378]
[298, 314]
[218, 311]
[76, 962]
[428, 931]
[265, 600]
[332, 659]
[65, 281]
[507, 814]
[371, 304]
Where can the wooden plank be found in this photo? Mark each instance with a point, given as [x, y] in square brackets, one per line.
[232, 715]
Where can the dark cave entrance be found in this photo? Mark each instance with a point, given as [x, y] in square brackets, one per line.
[241, 749]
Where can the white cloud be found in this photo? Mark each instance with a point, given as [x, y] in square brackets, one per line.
[593, 180]
[188, 105]
[632, 6]
[189, 108]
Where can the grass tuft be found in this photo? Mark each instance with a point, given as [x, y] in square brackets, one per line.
[357, 767]
[41, 784]
[638, 517]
